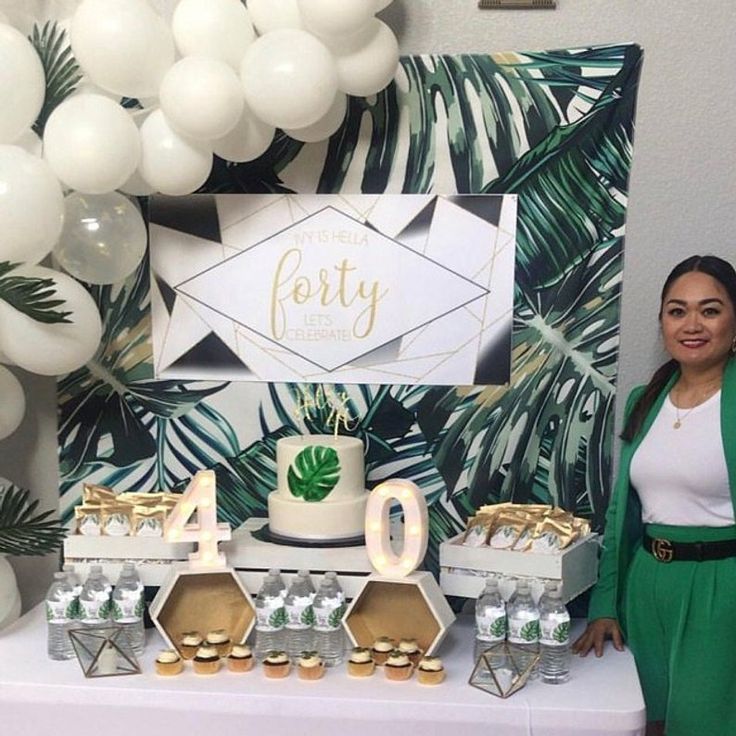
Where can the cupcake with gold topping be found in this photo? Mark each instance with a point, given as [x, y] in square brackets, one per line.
[411, 649]
[310, 666]
[430, 671]
[240, 658]
[360, 662]
[276, 664]
[168, 662]
[189, 642]
[219, 639]
[398, 666]
[382, 647]
[206, 661]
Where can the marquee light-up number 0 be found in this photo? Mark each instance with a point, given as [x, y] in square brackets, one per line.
[377, 532]
[200, 496]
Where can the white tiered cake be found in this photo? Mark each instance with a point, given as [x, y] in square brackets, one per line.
[320, 491]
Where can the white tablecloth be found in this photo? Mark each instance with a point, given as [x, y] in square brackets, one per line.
[38, 696]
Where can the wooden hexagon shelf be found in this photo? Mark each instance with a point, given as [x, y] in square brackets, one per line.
[412, 607]
[203, 600]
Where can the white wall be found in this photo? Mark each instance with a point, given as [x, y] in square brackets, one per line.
[682, 188]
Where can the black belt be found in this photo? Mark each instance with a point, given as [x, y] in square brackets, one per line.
[666, 551]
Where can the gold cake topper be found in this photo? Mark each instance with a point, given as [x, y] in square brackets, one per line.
[311, 403]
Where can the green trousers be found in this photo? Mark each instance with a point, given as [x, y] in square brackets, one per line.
[681, 627]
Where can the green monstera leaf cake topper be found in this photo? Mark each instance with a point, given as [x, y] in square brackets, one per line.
[314, 473]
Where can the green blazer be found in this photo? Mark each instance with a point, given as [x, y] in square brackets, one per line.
[623, 519]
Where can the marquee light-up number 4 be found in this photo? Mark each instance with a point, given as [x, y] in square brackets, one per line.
[199, 496]
[377, 532]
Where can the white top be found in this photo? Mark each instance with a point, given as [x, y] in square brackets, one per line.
[681, 474]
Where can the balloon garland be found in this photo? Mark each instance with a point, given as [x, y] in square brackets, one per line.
[218, 80]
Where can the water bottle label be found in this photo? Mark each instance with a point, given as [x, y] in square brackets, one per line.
[270, 614]
[57, 612]
[555, 629]
[92, 611]
[491, 624]
[524, 627]
[128, 607]
[328, 616]
[300, 614]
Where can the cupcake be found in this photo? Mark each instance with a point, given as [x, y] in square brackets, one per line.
[276, 664]
[240, 658]
[382, 647]
[411, 649]
[430, 671]
[168, 662]
[360, 662]
[189, 642]
[206, 661]
[398, 666]
[311, 666]
[219, 639]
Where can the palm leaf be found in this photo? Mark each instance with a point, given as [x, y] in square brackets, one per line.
[31, 295]
[59, 66]
[23, 531]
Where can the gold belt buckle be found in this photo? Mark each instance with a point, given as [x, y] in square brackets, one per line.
[662, 550]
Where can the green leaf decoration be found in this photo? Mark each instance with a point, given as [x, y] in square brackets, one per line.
[74, 610]
[23, 531]
[307, 616]
[32, 296]
[530, 631]
[278, 618]
[49, 612]
[498, 627]
[140, 606]
[561, 632]
[105, 609]
[116, 611]
[335, 617]
[314, 473]
[60, 68]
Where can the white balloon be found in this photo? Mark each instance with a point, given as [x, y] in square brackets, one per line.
[381, 4]
[22, 83]
[372, 64]
[172, 163]
[201, 97]
[29, 142]
[289, 78]
[52, 349]
[221, 29]
[104, 237]
[249, 139]
[91, 143]
[123, 45]
[273, 15]
[336, 17]
[137, 186]
[31, 206]
[326, 125]
[12, 405]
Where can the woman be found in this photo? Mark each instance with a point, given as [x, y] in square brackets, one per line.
[668, 568]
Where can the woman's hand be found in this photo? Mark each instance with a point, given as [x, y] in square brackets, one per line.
[596, 634]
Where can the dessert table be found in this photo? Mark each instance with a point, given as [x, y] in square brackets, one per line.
[38, 696]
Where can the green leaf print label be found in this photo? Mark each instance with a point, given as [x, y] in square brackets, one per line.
[307, 617]
[278, 618]
[491, 626]
[524, 629]
[555, 630]
[314, 473]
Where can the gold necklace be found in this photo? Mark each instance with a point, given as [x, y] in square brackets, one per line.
[679, 418]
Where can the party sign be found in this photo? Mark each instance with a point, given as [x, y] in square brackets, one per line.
[355, 289]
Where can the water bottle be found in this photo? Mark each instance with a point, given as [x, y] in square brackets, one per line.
[554, 640]
[523, 625]
[74, 580]
[282, 585]
[308, 580]
[94, 600]
[270, 618]
[299, 616]
[128, 606]
[490, 619]
[329, 608]
[60, 613]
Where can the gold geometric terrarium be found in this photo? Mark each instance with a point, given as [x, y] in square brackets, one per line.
[104, 652]
[500, 671]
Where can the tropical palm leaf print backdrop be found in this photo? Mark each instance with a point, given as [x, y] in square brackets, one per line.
[555, 128]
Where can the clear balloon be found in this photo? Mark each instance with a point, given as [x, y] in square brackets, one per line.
[52, 349]
[91, 143]
[371, 65]
[22, 83]
[171, 163]
[336, 17]
[273, 15]
[325, 126]
[289, 78]
[104, 237]
[220, 29]
[123, 45]
[31, 206]
[13, 404]
[249, 139]
[202, 97]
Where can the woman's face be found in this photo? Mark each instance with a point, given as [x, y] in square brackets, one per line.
[698, 322]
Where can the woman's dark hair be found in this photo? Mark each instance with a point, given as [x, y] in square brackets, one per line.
[723, 272]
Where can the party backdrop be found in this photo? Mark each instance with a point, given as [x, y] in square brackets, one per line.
[556, 129]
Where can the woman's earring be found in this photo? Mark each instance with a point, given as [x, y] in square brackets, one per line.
[733, 345]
